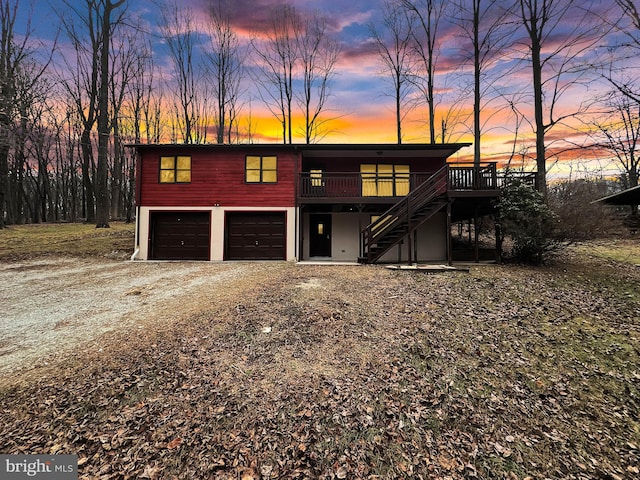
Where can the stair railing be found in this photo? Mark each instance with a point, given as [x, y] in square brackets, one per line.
[400, 214]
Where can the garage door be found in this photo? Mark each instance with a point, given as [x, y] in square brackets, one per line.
[255, 236]
[180, 235]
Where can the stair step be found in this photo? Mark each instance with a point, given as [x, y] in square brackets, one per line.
[431, 202]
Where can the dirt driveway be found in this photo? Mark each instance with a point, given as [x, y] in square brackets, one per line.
[50, 307]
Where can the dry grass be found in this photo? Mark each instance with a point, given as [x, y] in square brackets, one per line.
[619, 250]
[68, 239]
[361, 372]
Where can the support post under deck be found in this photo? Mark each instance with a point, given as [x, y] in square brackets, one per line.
[449, 246]
[476, 235]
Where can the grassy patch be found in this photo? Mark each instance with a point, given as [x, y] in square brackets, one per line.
[66, 239]
[622, 250]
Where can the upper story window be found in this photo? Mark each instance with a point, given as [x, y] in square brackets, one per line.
[176, 169]
[261, 169]
[316, 178]
[384, 180]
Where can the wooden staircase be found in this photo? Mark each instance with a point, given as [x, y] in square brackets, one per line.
[405, 217]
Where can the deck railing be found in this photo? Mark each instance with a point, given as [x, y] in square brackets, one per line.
[472, 177]
[530, 178]
[343, 185]
[355, 184]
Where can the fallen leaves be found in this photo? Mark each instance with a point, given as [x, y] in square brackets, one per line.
[502, 451]
[175, 443]
[433, 376]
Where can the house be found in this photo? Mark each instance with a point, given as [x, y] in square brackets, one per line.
[631, 197]
[365, 202]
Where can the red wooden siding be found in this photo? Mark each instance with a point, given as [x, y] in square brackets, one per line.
[217, 177]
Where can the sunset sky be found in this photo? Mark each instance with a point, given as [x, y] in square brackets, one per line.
[360, 102]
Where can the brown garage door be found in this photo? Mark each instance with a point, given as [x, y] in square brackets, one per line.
[255, 236]
[180, 235]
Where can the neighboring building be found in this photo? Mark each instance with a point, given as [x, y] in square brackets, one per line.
[368, 203]
[631, 197]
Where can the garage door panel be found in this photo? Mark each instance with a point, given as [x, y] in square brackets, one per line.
[256, 236]
[180, 235]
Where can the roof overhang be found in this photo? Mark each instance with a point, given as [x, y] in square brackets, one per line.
[630, 196]
[410, 150]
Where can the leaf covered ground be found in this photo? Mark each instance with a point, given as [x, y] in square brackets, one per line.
[360, 372]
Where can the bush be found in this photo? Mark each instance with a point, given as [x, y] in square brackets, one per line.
[577, 218]
[525, 218]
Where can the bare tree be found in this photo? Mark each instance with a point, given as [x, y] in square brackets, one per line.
[80, 80]
[126, 50]
[429, 15]
[16, 65]
[618, 133]
[151, 99]
[143, 97]
[559, 68]
[226, 69]
[318, 56]
[91, 27]
[67, 161]
[578, 218]
[178, 31]
[393, 42]
[142, 117]
[626, 50]
[109, 22]
[37, 144]
[484, 24]
[30, 135]
[277, 57]
[11, 55]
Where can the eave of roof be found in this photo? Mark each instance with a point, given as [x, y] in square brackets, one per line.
[631, 196]
[325, 150]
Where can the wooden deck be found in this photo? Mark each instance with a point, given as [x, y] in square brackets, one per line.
[463, 181]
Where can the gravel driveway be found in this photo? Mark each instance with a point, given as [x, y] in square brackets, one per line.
[53, 306]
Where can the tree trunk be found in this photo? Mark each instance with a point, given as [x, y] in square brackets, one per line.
[476, 82]
[432, 109]
[541, 162]
[87, 183]
[116, 173]
[4, 178]
[19, 213]
[398, 112]
[102, 187]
